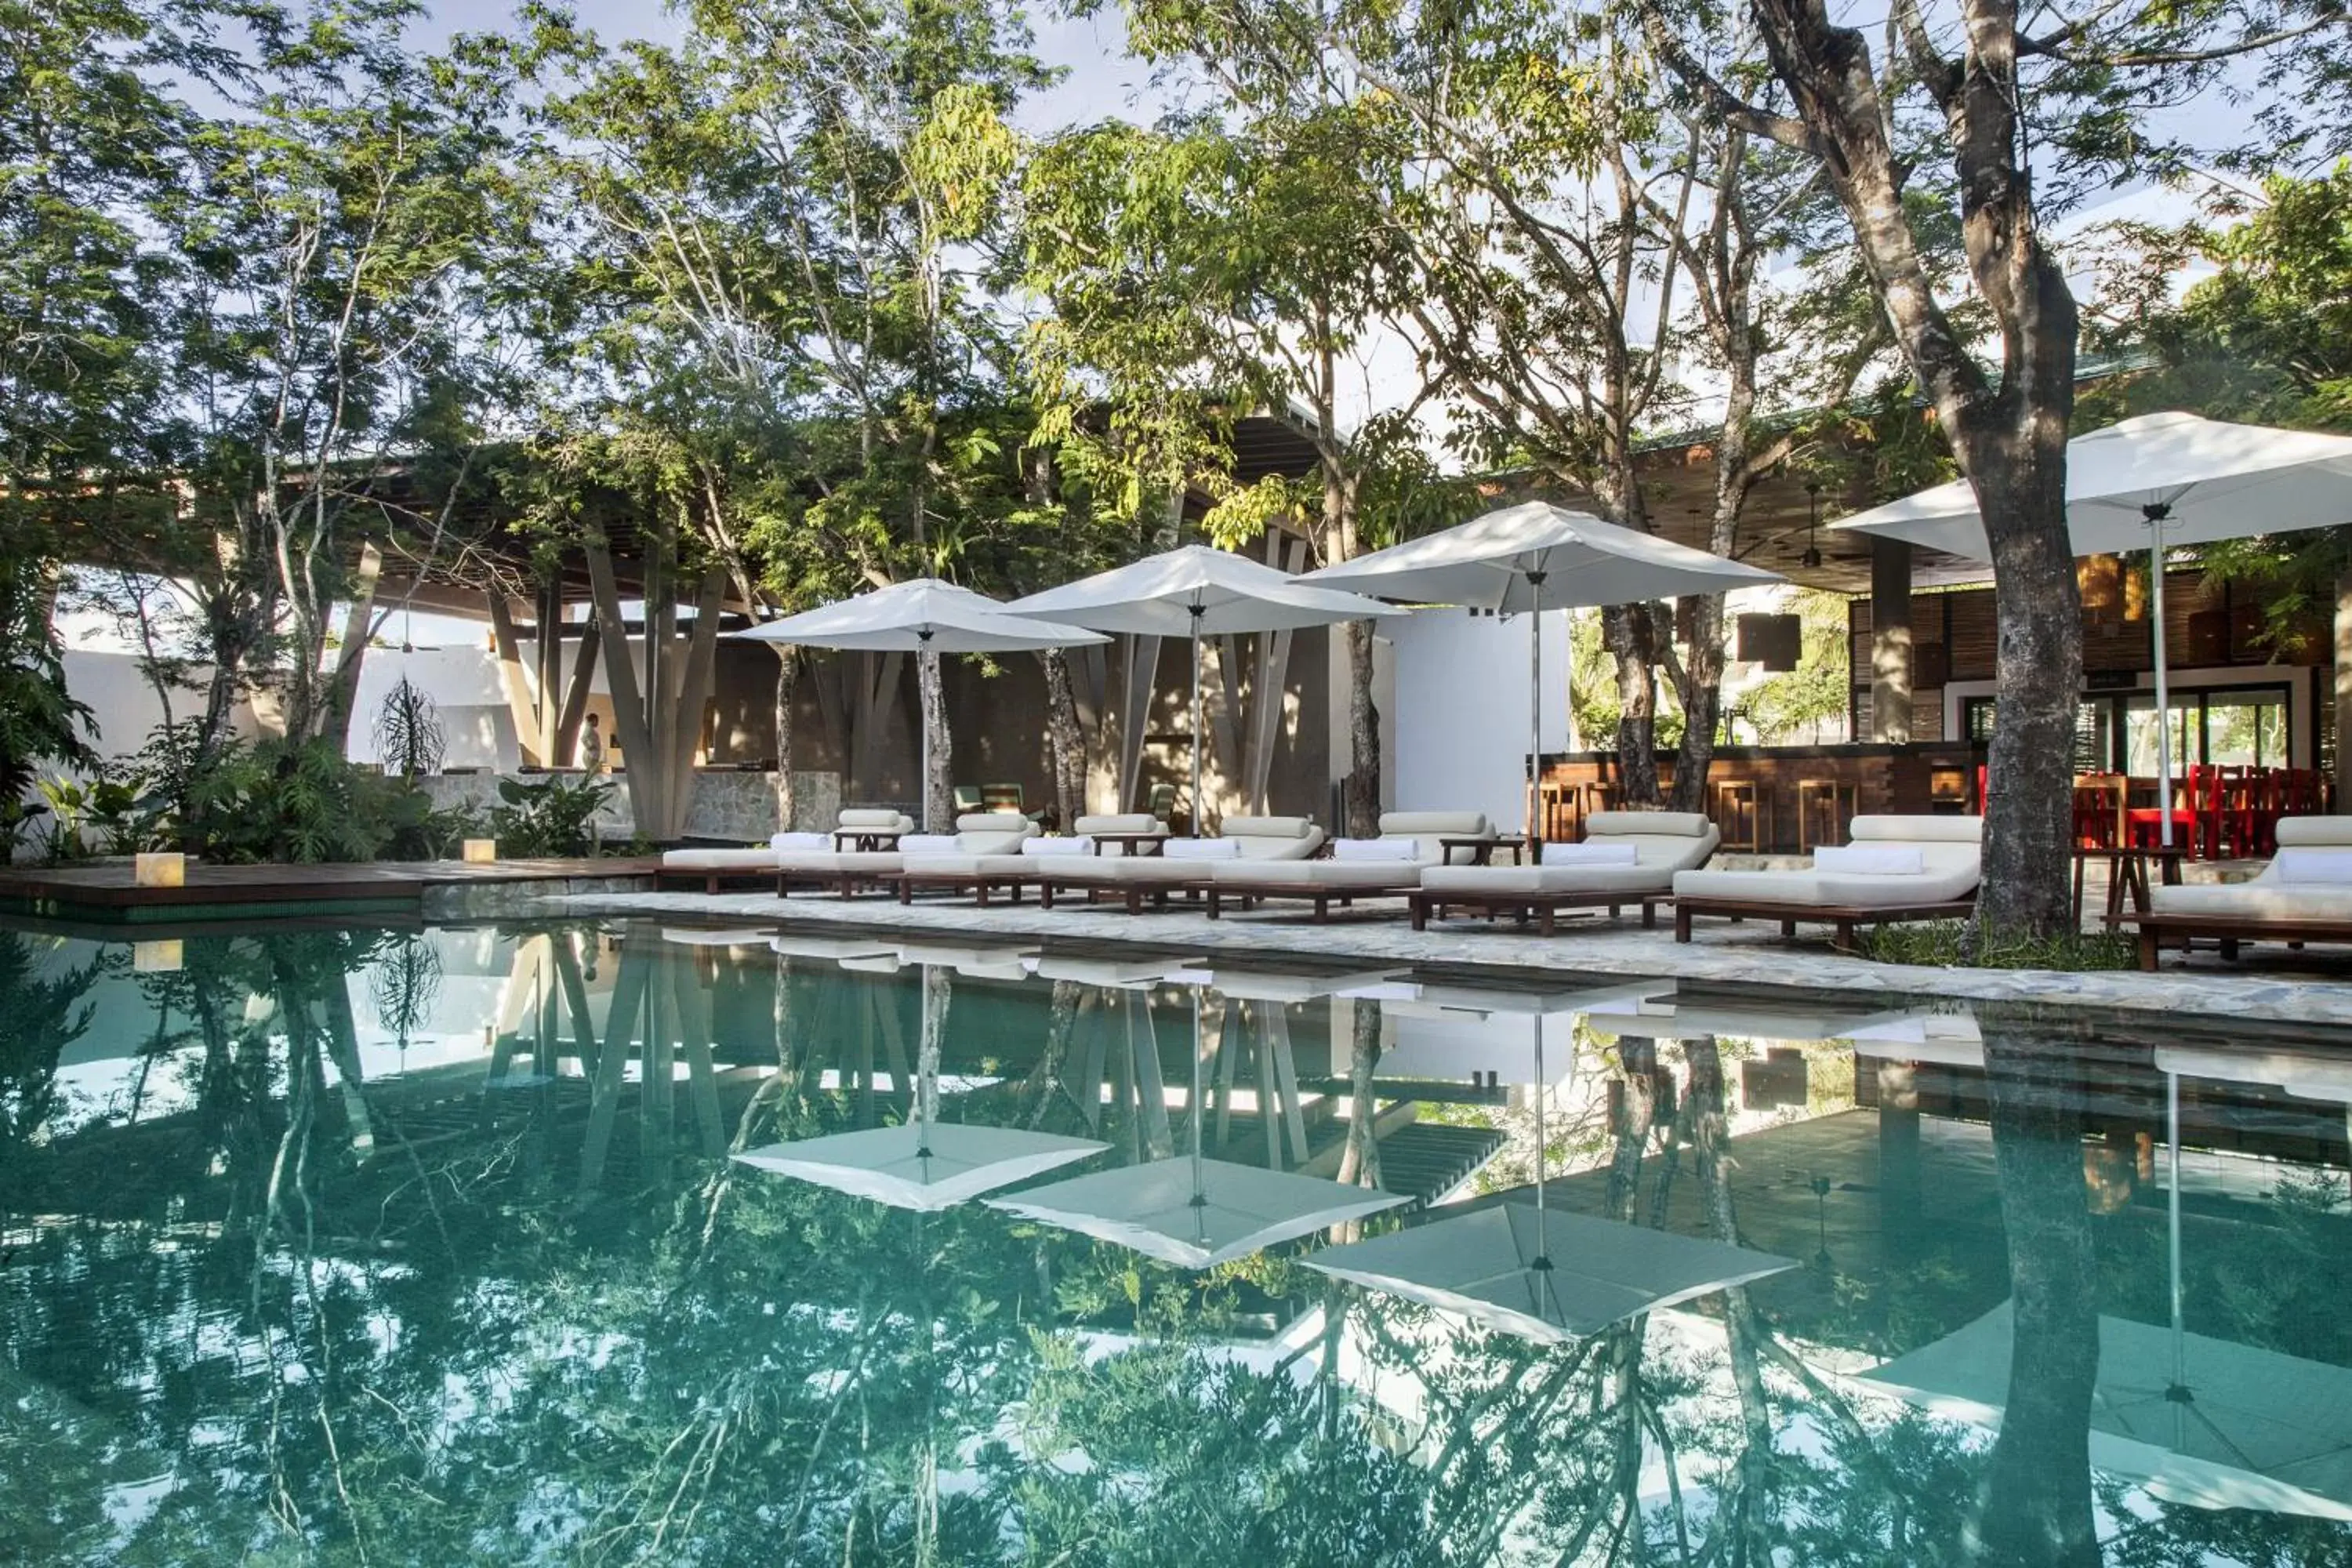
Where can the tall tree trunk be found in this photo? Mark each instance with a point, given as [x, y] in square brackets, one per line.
[937, 797]
[2038, 662]
[1065, 742]
[1702, 699]
[788, 681]
[1626, 630]
[1362, 800]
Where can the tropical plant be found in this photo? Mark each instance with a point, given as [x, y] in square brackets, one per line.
[556, 817]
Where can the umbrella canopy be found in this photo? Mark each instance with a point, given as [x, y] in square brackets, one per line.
[922, 1165]
[2148, 483]
[919, 615]
[1543, 1275]
[2256, 1429]
[2210, 480]
[1533, 557]
[1196, 1214]
[1537, 556]
[1194, 591]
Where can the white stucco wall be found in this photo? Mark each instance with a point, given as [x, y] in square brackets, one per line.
[1461, 722]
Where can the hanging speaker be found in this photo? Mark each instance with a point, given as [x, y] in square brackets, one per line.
[1773, 641]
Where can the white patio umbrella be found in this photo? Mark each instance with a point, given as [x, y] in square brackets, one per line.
[2148, 483]
[1194, 591]
[1533, 557]
[1198, 1212]
[1529, 1270]
[918, 616]
[923, 1164]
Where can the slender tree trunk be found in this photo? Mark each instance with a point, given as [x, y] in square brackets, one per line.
[1626, 630]
[939, 798]
[1362, 796]
[1065, 744]
[1702, 699]
[788, 681]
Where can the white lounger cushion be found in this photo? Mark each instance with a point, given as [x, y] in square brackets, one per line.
[1950, 851]
[1273, 838]
[1375, 849]
[1594, 852]
[958, 864]
[800, 841]
[876, 819]
[2274, 894]
[2306, 867]
[992, 833]
[1428, 829]
[1202, 849]
[1662, 842]
[1051, 848]
[826, 863]
[1308, 874]
[1871, 860]
[719, 861]
[931, 844]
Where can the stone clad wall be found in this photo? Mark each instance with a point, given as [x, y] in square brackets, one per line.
[729, 806]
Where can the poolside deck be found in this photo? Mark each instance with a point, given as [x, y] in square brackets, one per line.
[105, 893]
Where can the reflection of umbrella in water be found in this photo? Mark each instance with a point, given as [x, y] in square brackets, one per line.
[923, 1164]
[1197, 1211]
[2204, 1422]
[1528, 1270]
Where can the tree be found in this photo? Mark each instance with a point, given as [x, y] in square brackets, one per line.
[2081, 90]
[1199, 273]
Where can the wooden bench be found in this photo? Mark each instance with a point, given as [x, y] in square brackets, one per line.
[2229, 930]
[1542, 908]
[1845, 918]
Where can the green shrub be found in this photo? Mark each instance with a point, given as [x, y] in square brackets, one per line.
[1959, 944]
[556, 817]
[298, 801]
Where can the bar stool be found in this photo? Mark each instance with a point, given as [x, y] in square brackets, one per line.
[1739, 812]
[1824, 808]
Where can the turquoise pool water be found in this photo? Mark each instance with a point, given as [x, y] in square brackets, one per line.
[595, 1244]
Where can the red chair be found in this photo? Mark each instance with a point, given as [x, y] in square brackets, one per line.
[2099, 810]
[2145, 825]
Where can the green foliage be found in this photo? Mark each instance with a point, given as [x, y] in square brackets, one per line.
[283, 801]
[556, 817]
[1960, 944]
[39, 722]
[1781, 706]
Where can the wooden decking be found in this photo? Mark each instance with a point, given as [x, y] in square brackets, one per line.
[107, 893]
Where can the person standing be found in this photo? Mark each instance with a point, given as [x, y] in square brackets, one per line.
[592, 748]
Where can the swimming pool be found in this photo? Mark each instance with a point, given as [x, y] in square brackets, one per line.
[613, 1243]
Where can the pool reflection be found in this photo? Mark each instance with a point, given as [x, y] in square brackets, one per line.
[428, 1247]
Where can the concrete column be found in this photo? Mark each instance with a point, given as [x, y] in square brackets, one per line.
[1890, 640]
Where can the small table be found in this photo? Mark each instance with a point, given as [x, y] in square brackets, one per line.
[2126, 871]
[1132, 842]
[865, 840]
[1482, 851]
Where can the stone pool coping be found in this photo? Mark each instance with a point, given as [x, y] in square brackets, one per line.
[2308, 992]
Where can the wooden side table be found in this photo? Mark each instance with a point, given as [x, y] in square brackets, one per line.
[1482, 851]
[1132, 842]
[2127, 873]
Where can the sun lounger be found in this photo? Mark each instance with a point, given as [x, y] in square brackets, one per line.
[1183, 865]
[2304, 895]
[1626, 858]
[1896, 868]
[785, 852]
[864, 849]
[984, 856]
[1414, 841]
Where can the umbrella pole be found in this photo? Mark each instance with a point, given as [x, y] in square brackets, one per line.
[2155, 514]
[923, 723]
[1535, 711]
[1197, 610]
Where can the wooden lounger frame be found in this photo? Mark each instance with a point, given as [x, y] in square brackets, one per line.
[1843, 917]
[1244, 894]
[844, 883]
[1130, 896]
[2155, 928]
[1542, 908]
[979, 884]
